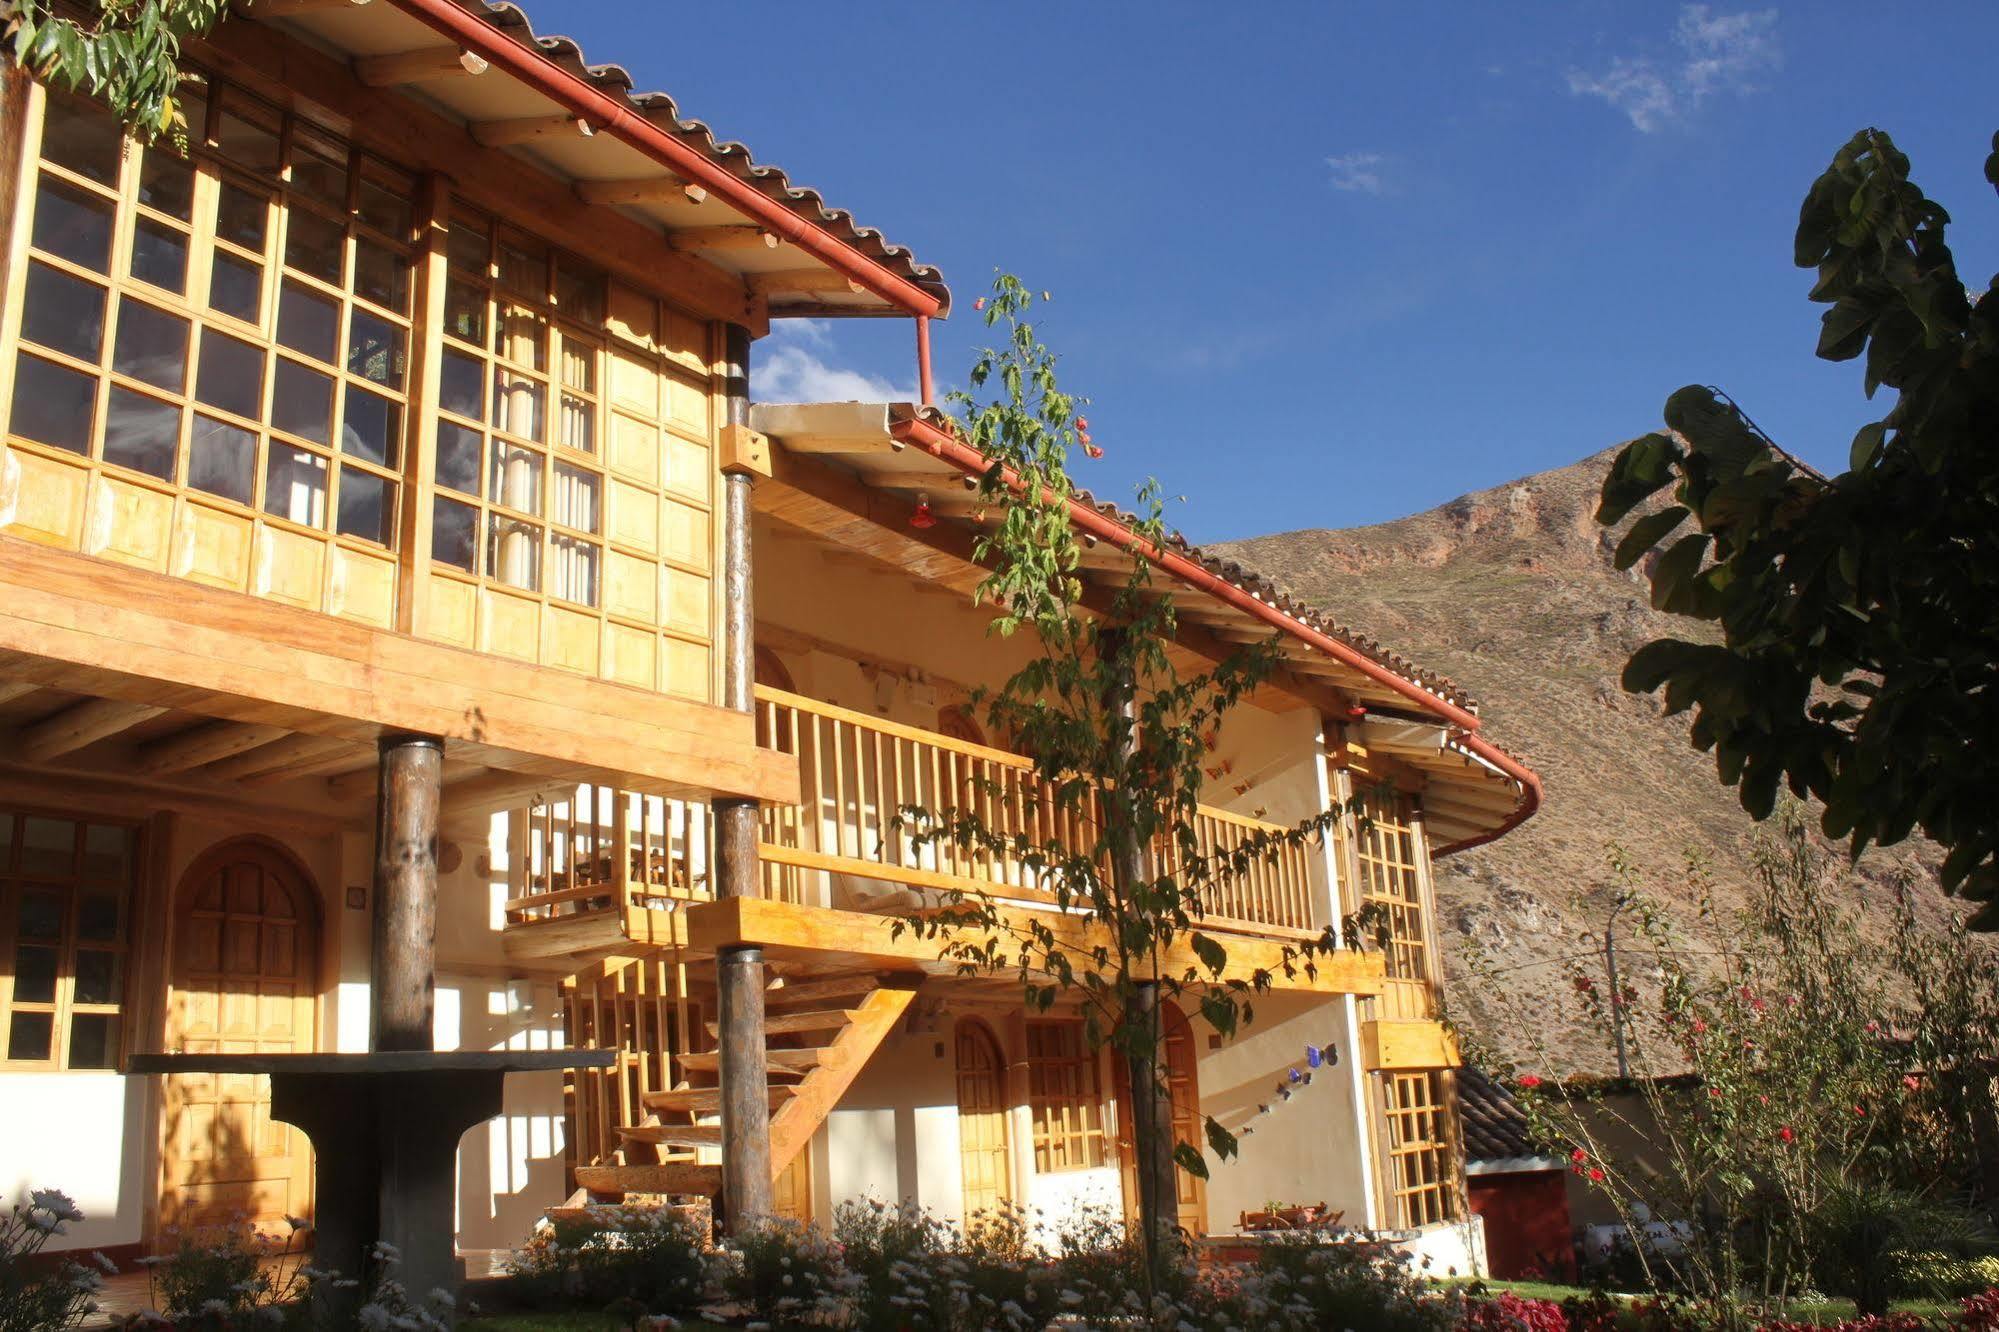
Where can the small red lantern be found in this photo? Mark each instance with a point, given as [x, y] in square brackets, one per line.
[921, 516]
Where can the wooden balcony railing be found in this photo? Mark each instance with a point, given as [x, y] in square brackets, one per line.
[858, 770]
[606, 849]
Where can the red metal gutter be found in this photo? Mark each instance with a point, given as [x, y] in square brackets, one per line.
[613, 114]
[923, 359]
[948, 448]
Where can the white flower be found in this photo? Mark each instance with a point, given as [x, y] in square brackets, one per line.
[297, 1223]
[110, 1268]
[57, 1203]
[216, 1308]
[442, 1298]
[374, 1318]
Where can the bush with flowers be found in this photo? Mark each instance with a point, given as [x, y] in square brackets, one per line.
[650, 1259]
[36, 1293]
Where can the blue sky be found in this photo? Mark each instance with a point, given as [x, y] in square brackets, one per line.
[1321, 265]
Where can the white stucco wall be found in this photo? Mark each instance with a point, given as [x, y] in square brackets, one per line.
[81, 1133]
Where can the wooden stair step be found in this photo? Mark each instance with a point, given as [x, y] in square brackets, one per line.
[675, 1135]
[668, 1178]
[824, 1019]
[777, 1061]
[707, 1100]
[820, 989]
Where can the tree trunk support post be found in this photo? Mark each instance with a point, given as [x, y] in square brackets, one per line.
[739, 970]
[403, 961]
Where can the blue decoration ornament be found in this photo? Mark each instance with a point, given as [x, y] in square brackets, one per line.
[1314, 1056]
[1296, 1076]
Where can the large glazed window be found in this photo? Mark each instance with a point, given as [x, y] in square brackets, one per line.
[1391, 887]
[1420, 1153]
[1065, 1098]
[65, 899]
[221, 346]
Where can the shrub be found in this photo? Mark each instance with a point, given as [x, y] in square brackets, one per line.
[1328, 1279]
[1511, 1313]
[218, 1276]
[787, 1275]
[647, 1259]
[37, 1295]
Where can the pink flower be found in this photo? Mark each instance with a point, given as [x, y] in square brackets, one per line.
[979, 304]
[1784, 1134]
[1874, 1029]
[1529, 1081]
[1912, 1083]
[1082, 423]
[1595, 1175]
[1699, 1026]
[1579, 1156]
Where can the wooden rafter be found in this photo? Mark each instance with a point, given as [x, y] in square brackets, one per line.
[80, 725]
[648, 189]
[806, 281]
[203, 744]
[527, 129]
[419, 66]
[722, 238]
[282, 9]
[278, 754]
[13, 689]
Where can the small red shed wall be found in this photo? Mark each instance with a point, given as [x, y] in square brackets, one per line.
[1527, 1231]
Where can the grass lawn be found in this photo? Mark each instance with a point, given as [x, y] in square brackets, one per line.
[563, 1322]
[1818, 1311]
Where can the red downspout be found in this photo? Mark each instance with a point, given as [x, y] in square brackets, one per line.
[970, 461]
[604, 112]
[923, 359]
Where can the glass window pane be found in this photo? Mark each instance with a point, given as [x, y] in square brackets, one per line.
[35, 974]
[579, 364]
[517, 404]
[41, 913]
[523, 337]
[381, 276]
[63, 312]
[151, 346]
[462, 386]
[231, 376]
[7, 823]
[314, 245]
[458, 457]
[465, 311]
[375, 349]
[222, 459]
[319, 177]
[31, 1036]
[159, 254]
[572, 569]
[576, 498]
[524, 266]
[83, 137]
[454, 533]
[141, 433]
[53, 404]
[96, 980]
[93, 1040]
[251, 145]
[97, 917]
[308, 322]
[302, 402]
[470, 244]
[166, 182]
[367, 506]
[385, 209]
[372, 427]
[242, 216]
[516, 478]
[73, 224]
[236, 287]
[514, 553]
[296, 485]
[579, 293]
[579, 424]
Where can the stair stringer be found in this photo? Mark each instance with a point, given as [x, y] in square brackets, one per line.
[795, 1121]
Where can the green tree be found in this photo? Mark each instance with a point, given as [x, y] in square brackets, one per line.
[1115, 730]
[1858, 614]
[127, 54]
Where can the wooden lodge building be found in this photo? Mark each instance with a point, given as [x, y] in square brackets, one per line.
[410, 408]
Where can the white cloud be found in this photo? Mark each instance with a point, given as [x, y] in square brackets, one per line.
[1356, 173]
[1716, 53]
[781, 370]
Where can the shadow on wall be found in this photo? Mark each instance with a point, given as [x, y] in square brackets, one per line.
[510, 1170]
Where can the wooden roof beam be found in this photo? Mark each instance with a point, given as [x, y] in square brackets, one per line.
[667, 188]
[722, 238]
[13, 689]
[282, 9]
[203, 744]
[278, 754]
[78, 726]
[528, 129]
[805, 281]
[419, 66]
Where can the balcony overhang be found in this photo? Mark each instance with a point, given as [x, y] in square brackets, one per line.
[130, 648]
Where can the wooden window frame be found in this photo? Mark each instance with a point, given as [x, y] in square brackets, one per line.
[1388, 875]
[76, 884]
[1065, 1098]
[1422, 1155]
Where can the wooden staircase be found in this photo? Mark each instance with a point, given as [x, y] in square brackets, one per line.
[820, 1031]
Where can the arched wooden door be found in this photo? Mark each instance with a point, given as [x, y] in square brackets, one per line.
[982, 1135]
[1184, 1087]
[245, 959]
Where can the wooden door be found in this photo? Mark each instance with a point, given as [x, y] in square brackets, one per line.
[246, 948]
[791, 1194]
[982, 1134]
[1184, 1088]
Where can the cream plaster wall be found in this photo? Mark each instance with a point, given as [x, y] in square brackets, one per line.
[85, 1133]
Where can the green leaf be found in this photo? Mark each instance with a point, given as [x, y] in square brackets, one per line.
[1190, 1160]
[1646, 533]
[1866, 444]
[1213, 956]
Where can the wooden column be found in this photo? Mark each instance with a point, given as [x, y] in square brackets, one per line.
[403, 973]
[739, 971]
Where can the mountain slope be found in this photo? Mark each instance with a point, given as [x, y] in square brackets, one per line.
[1511, 592]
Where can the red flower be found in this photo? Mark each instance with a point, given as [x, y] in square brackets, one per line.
[979, 304]
[1082, 423]
[1579, 1156]
[1595, 1175]
[1714, 1091]
[1529, 1081]
[1093, 450]
[1873, 1028]
[1699, 1026]
[1910, 1082]
[1784, 1134]
[1859, 1109]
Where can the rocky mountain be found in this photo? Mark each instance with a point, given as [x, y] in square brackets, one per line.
[1511, 592]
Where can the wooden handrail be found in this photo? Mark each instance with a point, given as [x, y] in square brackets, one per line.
[868, 721]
